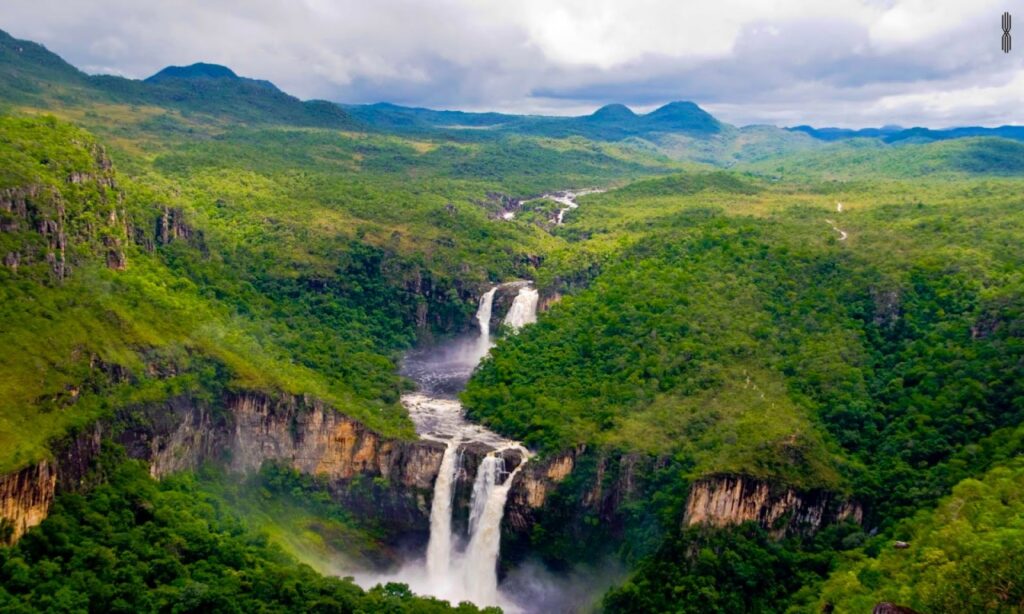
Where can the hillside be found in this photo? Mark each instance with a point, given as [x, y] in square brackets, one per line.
[741, 361]
[679, 130]
[865, 159]
[37, 77]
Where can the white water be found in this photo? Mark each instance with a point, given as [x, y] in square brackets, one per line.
[448, 570]
[568, 199]
[842, 233]
[524, 308]
[482, 487]
[483, 320]
[439, 550]
[488, 508]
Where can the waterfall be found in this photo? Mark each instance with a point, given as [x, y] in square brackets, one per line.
[483, 318]
[524, 308]
[482, 487]
[439, 549]
[481, 560]
[458, 567]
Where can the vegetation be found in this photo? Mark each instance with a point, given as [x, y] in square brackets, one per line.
[135, 545]
[964, 556]
[200, 233]
[739, 569]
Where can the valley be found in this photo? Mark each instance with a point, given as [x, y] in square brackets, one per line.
[269, 354]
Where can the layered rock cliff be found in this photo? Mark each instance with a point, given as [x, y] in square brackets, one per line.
[61, 222]
[730, 499]
[603, 485]
[25, 499]
[26, 495]
[388, 481]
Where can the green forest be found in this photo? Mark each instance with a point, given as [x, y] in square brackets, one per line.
[834, 318]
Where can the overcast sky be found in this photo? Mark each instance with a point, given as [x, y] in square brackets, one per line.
[851, 63]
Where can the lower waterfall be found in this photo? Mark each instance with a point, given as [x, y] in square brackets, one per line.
[439, 549]
[488, 508]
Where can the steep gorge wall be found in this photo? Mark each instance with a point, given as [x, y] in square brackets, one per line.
[611, 482]
[241, 432]
[384, 480]
[26, 495]
[725, 500]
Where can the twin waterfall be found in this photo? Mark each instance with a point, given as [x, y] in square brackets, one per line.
[464, 567]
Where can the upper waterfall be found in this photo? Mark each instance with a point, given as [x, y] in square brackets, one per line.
[483, 320]
[524, 308]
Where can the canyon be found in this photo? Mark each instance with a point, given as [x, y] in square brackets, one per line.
[453, 492]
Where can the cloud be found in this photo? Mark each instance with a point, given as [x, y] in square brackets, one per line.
[844, 62]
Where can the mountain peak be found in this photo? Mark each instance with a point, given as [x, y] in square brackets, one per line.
[613, 112]
[683, 116]
[199, 70]
[204, 71]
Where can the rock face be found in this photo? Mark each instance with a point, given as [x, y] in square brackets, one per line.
[387, 480]
[171, 226]
[47, 228]
[25, 499]
[547, 299]
[725, 500]
[533, 485]
[317, 440]
[26, 495]
[36, 213]
[611, 481]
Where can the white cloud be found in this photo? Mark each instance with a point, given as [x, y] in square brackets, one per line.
[843, 62]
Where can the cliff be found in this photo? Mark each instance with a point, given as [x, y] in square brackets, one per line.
[25, 499]
[600, 485]
[59, 220]
[26, 495]
[726, 500]
[384, 480]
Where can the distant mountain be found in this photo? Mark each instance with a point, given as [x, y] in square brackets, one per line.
[896, 134]
[681, 117]
[611, 122]
[29, 73]
[612, 113]
[201, 70]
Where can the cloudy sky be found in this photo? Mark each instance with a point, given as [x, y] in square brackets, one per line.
[836, 62]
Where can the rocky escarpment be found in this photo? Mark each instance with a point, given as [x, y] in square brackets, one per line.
[600, 486]
[732, 499]
[384, 480]
[25, 499]
[60, 223]
[26, 495]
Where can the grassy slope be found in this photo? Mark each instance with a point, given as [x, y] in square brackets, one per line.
[870, 158]
[311, 242]
[656, 354]
[963, 556]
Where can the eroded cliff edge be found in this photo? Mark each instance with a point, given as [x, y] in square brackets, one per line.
[390, 481]
[610, 491]
[242, 432]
